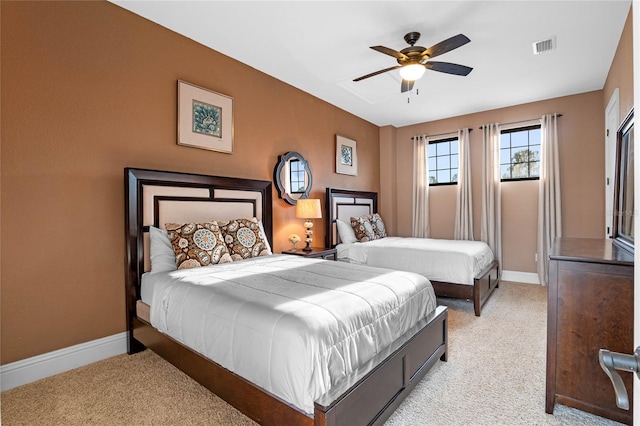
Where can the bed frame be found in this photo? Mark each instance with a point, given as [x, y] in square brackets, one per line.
[368, 396]
[344, 203]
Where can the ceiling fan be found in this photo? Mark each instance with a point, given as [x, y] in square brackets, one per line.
[413, 60]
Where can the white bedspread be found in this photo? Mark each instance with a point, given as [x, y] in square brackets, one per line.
[454, 261]
[291, 325]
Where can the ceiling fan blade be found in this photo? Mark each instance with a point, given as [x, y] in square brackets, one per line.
[448, 68]
[376, 73]
[390, 52]
[406, 85]
[446, 46]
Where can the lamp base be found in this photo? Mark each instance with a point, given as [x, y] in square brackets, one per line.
[307, 248]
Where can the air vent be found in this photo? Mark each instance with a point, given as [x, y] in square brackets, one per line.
[544, 46]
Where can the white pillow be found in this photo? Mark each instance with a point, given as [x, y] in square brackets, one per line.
[264, 237]
[163, 258]
[346, 232]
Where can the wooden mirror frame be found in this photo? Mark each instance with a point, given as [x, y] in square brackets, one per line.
[284, 192]
[621, 191]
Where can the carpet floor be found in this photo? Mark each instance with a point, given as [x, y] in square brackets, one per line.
[495, 375]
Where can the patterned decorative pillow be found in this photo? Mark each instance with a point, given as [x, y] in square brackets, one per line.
[378, 225]
[244, 238]
[197, 244]
[363, 228]
[369, 227]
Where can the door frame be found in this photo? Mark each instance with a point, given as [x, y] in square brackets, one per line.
[636, 286]
[612, 120]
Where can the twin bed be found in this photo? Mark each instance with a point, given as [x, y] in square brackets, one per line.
[286, 340]
[458, 269]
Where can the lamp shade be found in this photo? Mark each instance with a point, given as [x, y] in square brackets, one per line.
[308, 208]
[412, 72]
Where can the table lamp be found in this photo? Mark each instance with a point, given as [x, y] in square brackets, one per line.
[308, 208]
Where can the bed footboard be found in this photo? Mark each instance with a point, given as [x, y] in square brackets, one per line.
[483, 286]
[367, 397]
[372, 393]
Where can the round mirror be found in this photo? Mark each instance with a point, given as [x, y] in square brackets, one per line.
[293, 177]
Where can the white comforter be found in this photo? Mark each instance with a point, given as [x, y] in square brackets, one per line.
[454, 261]
[291, 325]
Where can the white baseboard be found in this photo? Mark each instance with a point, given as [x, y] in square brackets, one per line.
[38, 367]
[520, 277]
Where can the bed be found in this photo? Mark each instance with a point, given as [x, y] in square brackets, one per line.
[457, 269]
[366, 391]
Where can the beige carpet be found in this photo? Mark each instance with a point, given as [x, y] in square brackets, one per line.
[495, 376]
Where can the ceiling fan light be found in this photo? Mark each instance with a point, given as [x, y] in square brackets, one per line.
[412, 72]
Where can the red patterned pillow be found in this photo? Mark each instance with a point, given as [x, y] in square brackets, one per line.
[197, 244]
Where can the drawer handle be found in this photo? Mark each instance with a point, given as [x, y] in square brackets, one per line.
[612, 361]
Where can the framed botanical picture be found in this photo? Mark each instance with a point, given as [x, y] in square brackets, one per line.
[346, 156]
[205, 118]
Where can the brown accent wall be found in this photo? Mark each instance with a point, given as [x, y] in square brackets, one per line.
[89, 89]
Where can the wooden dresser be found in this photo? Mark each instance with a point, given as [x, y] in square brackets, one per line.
[590, 306]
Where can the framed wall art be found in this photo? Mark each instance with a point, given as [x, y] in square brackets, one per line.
[205, 118]
[346, 156]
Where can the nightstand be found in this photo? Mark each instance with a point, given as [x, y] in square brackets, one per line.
[316, 253]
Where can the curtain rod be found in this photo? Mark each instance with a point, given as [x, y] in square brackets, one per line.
[516, 122]
[440, 134]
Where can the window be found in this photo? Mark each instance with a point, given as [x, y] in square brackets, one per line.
[623, 224]
[443, 162]
[297, 174]
[520, 153]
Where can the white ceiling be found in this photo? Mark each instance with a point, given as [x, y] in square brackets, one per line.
[321, 46]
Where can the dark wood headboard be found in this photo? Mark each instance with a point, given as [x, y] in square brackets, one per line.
[153, 197]
[344, 203]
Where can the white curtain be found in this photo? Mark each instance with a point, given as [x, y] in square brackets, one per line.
[491, 232]
[549, 201]
[464, 209]
[420, 226]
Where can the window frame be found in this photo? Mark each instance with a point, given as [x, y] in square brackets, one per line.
[437, 141]
[515, 130]
[299, 172]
